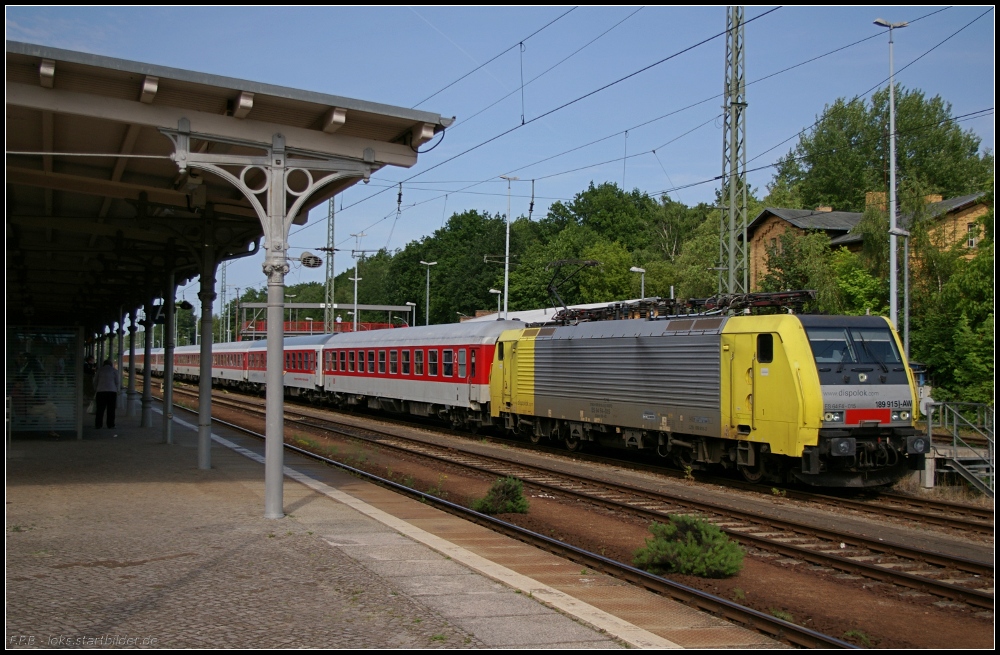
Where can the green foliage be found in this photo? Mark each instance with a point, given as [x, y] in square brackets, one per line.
[506, 496]
[846, 154]
[803, 262]
[689, 546]
[859, 291]
[610, 281]
[952, 312]
[700, 254]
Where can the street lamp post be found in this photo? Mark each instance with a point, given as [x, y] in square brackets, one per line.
[355, 280]
[636, 269]
[427, 301]
[900, 232]
[413, 312]
[506, 257]
[893, 265]
[290, 319]
[499, 293]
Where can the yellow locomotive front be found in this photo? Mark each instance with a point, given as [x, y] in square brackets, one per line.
[832, 392]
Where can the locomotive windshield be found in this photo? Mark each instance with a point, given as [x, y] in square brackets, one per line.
[853, 345]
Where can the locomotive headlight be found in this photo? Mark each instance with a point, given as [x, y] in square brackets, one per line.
[916, 445]
[833, 417]
[844, 447]
[828, 416]
[905, 416]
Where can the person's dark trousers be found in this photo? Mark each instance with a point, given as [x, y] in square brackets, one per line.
[105, 401]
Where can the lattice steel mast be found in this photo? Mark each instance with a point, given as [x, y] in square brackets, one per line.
[328, 313]
[733, 247]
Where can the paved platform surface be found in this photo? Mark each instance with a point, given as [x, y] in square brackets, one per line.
[120, 540]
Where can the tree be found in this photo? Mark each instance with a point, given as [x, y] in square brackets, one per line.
[952, 313]
[803, 262]
[847, 153]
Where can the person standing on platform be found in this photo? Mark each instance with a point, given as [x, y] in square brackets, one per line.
[106, 384]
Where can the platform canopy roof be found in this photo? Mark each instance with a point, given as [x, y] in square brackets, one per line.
[98, 212]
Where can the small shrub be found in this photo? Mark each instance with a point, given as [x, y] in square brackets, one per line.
[689, 546]
[858, 635]
[782, 614]
[506, 496]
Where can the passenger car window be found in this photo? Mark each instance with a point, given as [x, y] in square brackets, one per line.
[432, 362]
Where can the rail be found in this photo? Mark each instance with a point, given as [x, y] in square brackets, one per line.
[962, 422]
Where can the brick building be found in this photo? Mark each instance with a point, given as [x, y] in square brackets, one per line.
[952, 221]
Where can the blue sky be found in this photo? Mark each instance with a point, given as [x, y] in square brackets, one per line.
[404, 55]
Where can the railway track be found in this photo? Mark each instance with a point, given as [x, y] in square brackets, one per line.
[925, 571]
[923, 511]
[776, 628]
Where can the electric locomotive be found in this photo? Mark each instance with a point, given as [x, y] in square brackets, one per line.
[825, 400]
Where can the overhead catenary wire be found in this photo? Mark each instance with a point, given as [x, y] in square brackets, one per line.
[884, 80]
[571, 102]
[662, 116]
[981, 113]
[673, 188]
[495, 57]
[546, 71]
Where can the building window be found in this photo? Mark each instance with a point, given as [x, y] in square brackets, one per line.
[973, 232]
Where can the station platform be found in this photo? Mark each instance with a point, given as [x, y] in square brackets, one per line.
[119, 540]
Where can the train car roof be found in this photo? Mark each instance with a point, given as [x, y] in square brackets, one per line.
[230, 345]
[429, 335]
[685, 325]
[293, 342]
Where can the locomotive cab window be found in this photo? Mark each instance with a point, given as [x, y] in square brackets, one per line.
[876, 346]
[765, 348]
